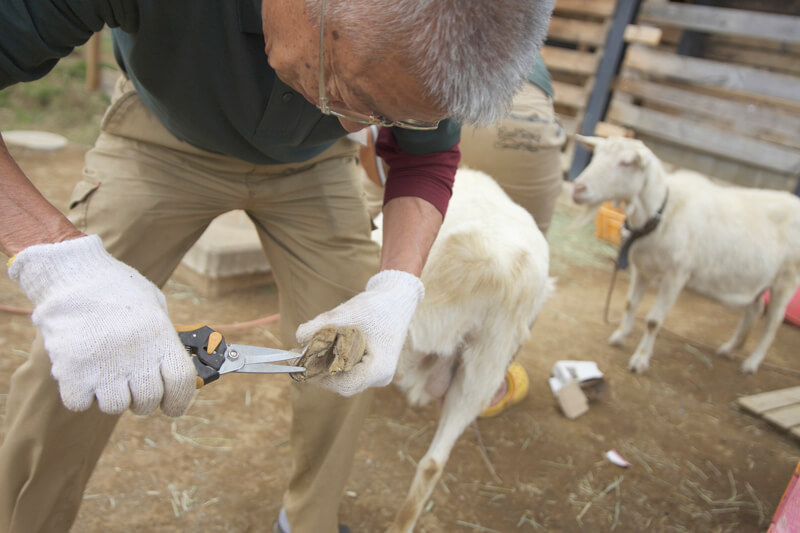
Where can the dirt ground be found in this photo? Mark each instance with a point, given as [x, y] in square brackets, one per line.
[699, 463]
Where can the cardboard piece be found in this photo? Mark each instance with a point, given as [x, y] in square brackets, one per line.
[586, 373]
[572, 400]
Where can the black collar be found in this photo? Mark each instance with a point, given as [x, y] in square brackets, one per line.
[636, 234]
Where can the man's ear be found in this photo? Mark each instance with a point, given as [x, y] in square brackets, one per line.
[589, 142]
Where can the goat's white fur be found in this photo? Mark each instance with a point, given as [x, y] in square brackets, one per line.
[486, 279]
[729, 243]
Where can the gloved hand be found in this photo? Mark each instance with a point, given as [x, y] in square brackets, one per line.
[383, 313]
[105, 328]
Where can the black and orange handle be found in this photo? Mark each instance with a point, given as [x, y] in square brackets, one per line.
[207, 348]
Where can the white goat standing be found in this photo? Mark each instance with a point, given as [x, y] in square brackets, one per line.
[486, 279]
[729, 243]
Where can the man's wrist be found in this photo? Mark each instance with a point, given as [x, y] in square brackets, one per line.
[23, 240]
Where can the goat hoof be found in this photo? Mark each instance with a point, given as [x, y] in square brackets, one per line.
[617, 339]
[748, 367]
[725, 351]
[638, 365]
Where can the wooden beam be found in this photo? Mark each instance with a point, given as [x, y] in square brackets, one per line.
[597, 8]
[573, 61]
[576, 31]
[705, 138]
[649, 35]
[765, 59]
[568, 95]
[747, 42]
[749, 118]
[723, 20]
[780, 88]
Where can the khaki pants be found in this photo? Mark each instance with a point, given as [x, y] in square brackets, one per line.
[150, 196]
[521, 153]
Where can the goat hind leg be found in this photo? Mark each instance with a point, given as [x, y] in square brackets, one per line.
[751, 312]
[470, 392]
[781, 293]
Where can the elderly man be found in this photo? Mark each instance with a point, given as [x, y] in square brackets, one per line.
[218, 109]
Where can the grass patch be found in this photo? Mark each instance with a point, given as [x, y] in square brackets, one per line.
[59, 102]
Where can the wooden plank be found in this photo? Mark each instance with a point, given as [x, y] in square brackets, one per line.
[735, 172]
[765, 59]
[573, 61]
[747, 42]
[759, 403]
[780, 88]
[597, 8]
[704, 138]
[752, 119]
[569, 95]
[785, 417]
[576, 31]
[724, 20]
[636, 33]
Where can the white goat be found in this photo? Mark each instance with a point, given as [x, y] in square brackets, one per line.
[729, 243]
[486, 279]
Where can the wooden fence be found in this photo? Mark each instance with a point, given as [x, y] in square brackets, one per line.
[731, 109]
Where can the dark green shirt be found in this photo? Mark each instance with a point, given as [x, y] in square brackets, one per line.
[541, 77]
[198, 65]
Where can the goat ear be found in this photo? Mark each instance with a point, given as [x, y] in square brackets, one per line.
[629, 157]
[589, 142]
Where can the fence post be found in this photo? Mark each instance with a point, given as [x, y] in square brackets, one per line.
[93, 62]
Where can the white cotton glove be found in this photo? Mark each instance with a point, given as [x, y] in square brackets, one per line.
[383, 313]
[105, 328]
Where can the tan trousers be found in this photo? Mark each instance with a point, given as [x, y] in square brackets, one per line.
[150, 196]
[521, 153]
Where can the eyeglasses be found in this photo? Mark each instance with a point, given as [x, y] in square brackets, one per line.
[354, 116]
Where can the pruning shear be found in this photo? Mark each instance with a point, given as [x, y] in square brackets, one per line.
[212, 356]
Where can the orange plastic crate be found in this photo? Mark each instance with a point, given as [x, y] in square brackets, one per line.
[608, 222]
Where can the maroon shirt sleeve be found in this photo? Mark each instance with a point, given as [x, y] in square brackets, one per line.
[429, 177]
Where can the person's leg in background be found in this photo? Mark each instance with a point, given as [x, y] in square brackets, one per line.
[522, 153]
[149, 208]
[316, 234]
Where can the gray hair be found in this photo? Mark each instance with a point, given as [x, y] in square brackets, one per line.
[470, 55]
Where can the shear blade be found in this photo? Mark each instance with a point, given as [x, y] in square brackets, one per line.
[259, 354]
[266, 368]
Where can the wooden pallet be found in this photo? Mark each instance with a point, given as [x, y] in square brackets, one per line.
[732, 110]
[780, 407]
[572, 53]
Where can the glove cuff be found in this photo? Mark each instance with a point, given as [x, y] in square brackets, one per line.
[407, 283]
[38, 267]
